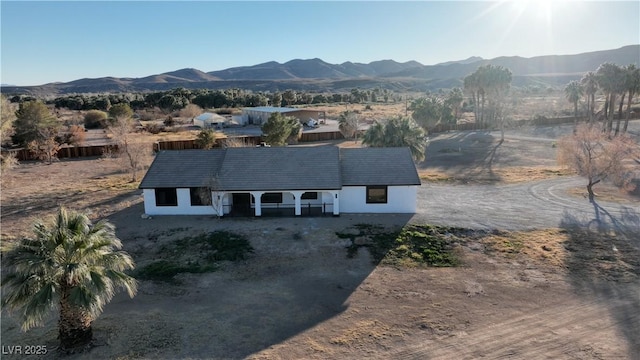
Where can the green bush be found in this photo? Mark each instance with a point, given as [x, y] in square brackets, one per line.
[95, 119]
[195, 254]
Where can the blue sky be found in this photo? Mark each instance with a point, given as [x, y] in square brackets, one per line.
[52, 41]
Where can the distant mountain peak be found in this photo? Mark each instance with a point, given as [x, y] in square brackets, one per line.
[317, 75]
[469, 60]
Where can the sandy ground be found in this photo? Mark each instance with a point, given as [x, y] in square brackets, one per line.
[555, 294]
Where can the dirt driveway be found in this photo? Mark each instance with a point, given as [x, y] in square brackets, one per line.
[553, 292]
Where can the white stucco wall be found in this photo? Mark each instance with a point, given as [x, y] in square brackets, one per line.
[184, 205]
[400, 199]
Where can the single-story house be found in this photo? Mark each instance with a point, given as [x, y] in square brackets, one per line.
[209, 120]
[259, 115]
[285, 180]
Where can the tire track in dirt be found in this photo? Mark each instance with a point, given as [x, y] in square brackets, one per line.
[551, 333]
[539, 204]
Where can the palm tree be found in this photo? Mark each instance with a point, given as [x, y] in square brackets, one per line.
[632, 85]
[455, 99]
[573, 92]
[590, 85]
[348, 124]
[398, 132]
[70, 264]
[374, 136]
[610, 77]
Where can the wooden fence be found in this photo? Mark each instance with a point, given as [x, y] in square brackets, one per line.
[100, 150]
[67, 152]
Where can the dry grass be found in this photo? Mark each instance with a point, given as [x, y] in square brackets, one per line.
[546, 245]
[507, 175]
[365, 332]
[377, 112]
[607, 192]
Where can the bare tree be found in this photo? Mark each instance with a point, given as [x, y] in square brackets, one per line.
[7, 116]
[592, 154]
[236, 142]
[212, 194]
[190, 111]
[134, 154]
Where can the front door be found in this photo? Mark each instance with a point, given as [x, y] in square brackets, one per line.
[241, 204]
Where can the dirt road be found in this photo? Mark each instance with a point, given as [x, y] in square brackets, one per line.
[539, 204]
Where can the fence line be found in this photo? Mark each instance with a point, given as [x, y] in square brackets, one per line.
[23, 154]
[99, 150]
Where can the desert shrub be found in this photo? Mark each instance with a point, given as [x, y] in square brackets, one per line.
[206, 139]
[368, 107]
[235, 142]
[154, 128]
[409, 247]
[540, 120]
[169, 121]
[76, 135]
[224, 111]
[95, 119]
[196, 254]
[8, 161]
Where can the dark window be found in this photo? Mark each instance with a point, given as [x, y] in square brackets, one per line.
[200, 196]
[376, 194]
[309, 196]
[166, 197]
[272, 198]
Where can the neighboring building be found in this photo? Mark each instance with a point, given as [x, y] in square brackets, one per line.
[259, 115]
[283, 180]
[209, 120]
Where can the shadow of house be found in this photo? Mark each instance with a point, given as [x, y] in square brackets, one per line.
[603, 262]
[246, 307]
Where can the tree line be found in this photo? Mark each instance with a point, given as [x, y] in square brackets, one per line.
[179, 98]
[610, 80]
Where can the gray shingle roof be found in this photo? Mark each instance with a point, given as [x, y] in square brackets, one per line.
[378, 166]
[183, 168]
[281, 168]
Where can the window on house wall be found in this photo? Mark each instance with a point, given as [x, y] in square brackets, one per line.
[166, 197]
[376, 194]
[200, 196]
[271, 198]
[309, 196]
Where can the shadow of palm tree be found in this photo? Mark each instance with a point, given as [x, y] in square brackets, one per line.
[466, 154]
[603, 262]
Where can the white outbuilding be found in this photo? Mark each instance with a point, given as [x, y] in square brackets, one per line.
[209, 121]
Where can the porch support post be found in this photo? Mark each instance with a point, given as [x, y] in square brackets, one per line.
[217, 199]
[257, 196]
[336, 203]
[297, 195]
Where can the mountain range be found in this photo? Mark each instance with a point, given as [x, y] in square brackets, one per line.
[318, 75]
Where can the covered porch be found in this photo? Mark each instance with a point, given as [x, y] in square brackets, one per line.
[281, 203]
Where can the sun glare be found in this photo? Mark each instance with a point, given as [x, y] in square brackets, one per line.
[528, 19]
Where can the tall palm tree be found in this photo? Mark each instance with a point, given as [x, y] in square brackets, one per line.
[573, 91]
[610, 77]
[632, 85]
[70, 264]
[590, 85]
